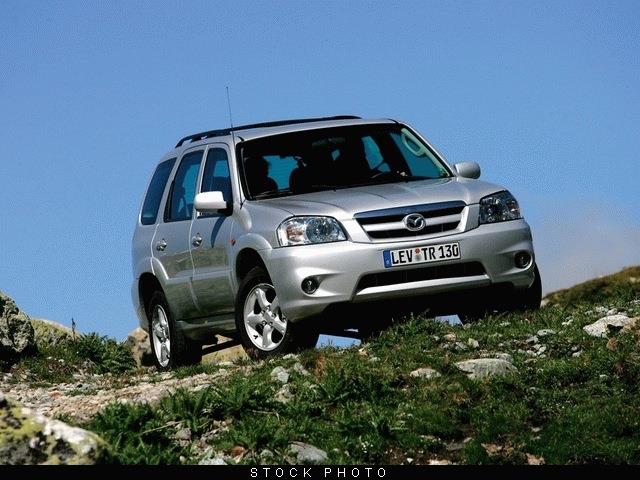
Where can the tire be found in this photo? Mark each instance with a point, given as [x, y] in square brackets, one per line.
[520, 301]
[176, 350]
[263, 329]
[529, 298]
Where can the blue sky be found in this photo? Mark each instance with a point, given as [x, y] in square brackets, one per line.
[544, 95]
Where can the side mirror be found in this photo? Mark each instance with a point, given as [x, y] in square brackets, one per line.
[468, 169]
[210, 202]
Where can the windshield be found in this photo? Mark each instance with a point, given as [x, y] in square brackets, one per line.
[335, 158]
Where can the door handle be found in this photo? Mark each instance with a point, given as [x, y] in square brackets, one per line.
[161, 245]
[196, 240]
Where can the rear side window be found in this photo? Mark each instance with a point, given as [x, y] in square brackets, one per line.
[183, 190]
[155, 191]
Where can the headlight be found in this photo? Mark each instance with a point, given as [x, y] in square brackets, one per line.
[499, 207]
[306, 230]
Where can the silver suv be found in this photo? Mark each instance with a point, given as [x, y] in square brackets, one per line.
[271, 233]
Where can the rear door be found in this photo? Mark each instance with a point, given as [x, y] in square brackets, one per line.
[210, 237]
[171, 243]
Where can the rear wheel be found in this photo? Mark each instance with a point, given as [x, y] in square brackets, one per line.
[519, 301]
[264, 329]
[170, 347]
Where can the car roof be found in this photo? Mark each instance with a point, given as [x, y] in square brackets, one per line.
[251, 132]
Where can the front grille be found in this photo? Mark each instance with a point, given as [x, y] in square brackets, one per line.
[394, 277]
[388, 223]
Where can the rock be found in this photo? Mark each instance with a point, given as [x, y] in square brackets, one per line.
[27, 438]
[504, 356]
[300, 369]
[183, 434]
[473, 343]
[532, 339]
[284, 395]
[450, 337]
[612, 311]
[545, 302]
[436, 461]
[48, 332]
[460, 346]
[238, 452]
[539, 349]
[576, 354]
[567, 322]
[545, 332]
[212, 461]
[486, 367]
[280, 374]
[138, 343]
[308, 454]
[266, 454]
[17, 337]
[504, 324]
[602, 326]
[534, 460]
[600, 310]
[227, 356]
[425, 373]
[290, 356]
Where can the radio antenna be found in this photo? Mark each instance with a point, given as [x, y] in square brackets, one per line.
[229, 105]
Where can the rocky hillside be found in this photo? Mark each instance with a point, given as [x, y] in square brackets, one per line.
[561, 385]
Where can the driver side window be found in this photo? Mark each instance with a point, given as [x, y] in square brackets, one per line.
[183, 189]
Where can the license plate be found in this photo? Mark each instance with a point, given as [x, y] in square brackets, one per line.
[411, 256]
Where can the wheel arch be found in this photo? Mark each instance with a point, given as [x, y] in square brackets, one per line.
[247, 259]
[147, 285]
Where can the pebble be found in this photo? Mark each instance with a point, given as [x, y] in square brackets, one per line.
[545, 332]
[425, 373]
[308, 454]
[473, 343]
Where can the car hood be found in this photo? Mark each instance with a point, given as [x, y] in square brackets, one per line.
[344, 203]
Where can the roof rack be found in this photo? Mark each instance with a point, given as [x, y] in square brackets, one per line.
[279, 123]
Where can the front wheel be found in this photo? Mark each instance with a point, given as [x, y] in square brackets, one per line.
[264, 329]
[519, 301]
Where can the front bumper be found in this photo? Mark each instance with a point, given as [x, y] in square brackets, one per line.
[339, 267]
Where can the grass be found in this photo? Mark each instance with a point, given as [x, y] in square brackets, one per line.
[362, 406]
[616, 286]
[58, 362]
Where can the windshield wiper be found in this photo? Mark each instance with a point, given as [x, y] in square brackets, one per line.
[271, 193]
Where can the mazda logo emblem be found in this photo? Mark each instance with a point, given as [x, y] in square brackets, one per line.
[414, 222]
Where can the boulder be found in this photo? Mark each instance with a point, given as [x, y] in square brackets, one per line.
[28, 439]
[232, 354]
[48, 332]
[16, 332]
[138, 343]
[602, 327]
[478, 368]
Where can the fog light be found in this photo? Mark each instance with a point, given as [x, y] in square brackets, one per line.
[523, 259]
[309, 285]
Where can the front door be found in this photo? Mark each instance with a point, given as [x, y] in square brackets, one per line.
[210, 237]
[172, 243]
